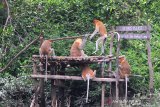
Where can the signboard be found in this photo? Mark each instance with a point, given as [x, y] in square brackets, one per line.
[133, 28]
[135, 36]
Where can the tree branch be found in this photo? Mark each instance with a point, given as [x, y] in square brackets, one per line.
[10, 62]
[8, 12]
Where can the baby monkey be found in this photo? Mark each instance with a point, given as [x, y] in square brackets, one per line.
[46, 50]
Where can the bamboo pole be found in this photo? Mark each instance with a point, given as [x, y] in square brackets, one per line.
[61, 77]
[103, 85]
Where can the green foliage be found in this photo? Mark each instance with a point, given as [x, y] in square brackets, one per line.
[15, 91]
[59, 18]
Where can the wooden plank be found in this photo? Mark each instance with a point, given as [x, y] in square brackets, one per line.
[134, 36]
[75, 78]
[133, 28]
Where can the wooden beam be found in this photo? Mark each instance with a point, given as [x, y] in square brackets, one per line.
[75, 78]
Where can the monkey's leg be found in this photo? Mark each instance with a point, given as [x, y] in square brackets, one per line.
[103, 45]
[84, 40]
[93, 34]
[52, 52]
[97, 43]
[88, 78]
[40, 53]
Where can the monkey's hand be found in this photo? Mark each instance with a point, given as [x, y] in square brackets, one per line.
[91, 39]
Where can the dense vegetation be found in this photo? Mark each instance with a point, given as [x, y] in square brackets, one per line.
[60, 18]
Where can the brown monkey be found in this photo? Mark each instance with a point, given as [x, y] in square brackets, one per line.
[124, 67]
[76, 48]
[124, 70]
[87, 72]
[46, 50]
[99, 28]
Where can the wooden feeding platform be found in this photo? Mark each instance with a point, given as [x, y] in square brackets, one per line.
[63, 61]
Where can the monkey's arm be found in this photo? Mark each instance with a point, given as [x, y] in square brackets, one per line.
[52, 52]
[94, 33]
[40, 52]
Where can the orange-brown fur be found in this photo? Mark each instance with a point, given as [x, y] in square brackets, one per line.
[124, 71]
[99, 28]
[76, 51]
[87, 70]
[45, 48]
[99, 25]
[124, 67]
[76, 48]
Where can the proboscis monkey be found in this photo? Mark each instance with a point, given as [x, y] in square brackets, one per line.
[124, 70]
[99, 28]
[87, 74]
[46, 50]
[76, 48]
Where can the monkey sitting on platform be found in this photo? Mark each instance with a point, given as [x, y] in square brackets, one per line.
[46, 50]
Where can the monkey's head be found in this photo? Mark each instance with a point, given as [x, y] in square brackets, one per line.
[78, 41]
[121, 59]
[95, 21]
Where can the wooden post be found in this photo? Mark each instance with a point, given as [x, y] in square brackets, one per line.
[151, 72]
[115, 86]
[34, 66]
[110, 64]
[53, 87]
[61, 87]
[42, 94]
[103, 85]
[117, 66]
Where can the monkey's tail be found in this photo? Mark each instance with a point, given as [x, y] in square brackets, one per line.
[88, 78]
[46, 68]
[118, 35]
